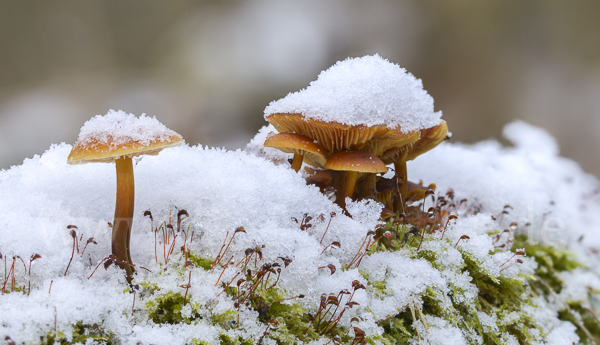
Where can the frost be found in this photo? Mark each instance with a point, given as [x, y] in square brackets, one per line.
[363, 91]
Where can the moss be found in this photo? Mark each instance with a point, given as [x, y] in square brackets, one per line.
[398, 329]
[498, 297]
[379, 287]
[500, 300]
[167, 307]
[580, 315]
[227, 340]
[199, 261]
[82, 333]
[551, 262]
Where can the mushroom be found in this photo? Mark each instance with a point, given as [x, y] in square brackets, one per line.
[386, 188]
[117, 137]
[429, 138]
[418, 191]
[303, 148]
[361, 104]
[350, 163]
[321, 179]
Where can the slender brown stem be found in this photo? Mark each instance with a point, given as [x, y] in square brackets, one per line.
[297, 162]
[350, 183]
[97, 268]
[401, 176]
[187, 288]
[121, 233]
[73, 253]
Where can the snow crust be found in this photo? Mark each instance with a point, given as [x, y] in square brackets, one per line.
[118, 127]
[223, 190]
[363, 91]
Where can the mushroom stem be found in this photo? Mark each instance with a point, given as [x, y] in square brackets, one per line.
[121, 231]
[366, 186]
[401, 175]
[350, 183]
[297, 162]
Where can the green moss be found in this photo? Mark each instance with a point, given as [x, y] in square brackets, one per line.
[167, 307]
[82, 333]
[551, 262]
[199, 261]
[227, 340]
[379, 287]
[499, 299]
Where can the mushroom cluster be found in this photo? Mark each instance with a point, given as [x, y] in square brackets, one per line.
[357, 117]
[118, 137]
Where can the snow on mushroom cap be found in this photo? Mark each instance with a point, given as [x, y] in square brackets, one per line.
[363, 91]
[119, 127]
[117, 134]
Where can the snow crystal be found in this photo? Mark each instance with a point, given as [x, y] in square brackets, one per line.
[363, 91]
[118, 127]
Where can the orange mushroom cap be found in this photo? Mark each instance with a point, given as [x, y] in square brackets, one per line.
[299, 144]
[358, 161]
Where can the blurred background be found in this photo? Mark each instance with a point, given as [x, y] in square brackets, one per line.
[207, 69]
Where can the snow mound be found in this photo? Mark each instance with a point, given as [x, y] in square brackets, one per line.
[551, 196]
[366, 91]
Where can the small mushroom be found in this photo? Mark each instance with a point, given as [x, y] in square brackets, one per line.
[350, 163]
[303, 148]
[418, 191]
[117, 137]
[321, 179]
[386, 189]
[430, 138]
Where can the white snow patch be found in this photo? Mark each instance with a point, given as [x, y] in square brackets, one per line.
[118, 127]
[363, 91]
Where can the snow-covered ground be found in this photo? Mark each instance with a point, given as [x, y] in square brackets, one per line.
[223, 190]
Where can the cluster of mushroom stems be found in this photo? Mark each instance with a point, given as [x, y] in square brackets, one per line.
[351, 159]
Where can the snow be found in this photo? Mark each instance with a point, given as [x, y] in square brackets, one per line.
[553, 200]
[118, 127]
[363, 91]
[223, 190]
[256, 147]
